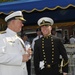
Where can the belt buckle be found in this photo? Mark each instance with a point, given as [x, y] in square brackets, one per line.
[48, 66]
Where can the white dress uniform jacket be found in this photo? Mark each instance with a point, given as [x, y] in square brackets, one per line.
[72, 40]
[11, 51]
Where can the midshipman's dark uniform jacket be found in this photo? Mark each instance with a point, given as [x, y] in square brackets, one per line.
[47, 51]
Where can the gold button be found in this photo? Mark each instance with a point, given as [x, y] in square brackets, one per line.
[52, 45]
[52, 42]
[44, 55]
[44, 61]
[48, 66]
[42, 41]
[52, 61]
[52, 58]
[43, 52]
[44, 58]
[53, 52]
[52, 48]
[52, 55]
[42, 46]
[42, 38]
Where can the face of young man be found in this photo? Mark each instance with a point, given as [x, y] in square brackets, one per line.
[46, 30]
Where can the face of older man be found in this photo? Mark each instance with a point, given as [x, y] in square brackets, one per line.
[16, 25]
[46, 30]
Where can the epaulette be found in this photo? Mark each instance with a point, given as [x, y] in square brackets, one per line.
[2, 32]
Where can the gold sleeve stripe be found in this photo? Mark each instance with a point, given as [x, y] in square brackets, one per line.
[66, 64]
[2, 32]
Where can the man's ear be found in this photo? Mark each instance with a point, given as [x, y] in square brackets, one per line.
[51, 28]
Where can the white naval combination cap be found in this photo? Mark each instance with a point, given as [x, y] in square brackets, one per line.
[45, 21]
[15, 15]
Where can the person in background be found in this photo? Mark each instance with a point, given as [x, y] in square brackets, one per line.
[47, 51]
[39, 35]
[27, 45]
[53, 32]
[72, 40]
[65, 39]
[13, 55]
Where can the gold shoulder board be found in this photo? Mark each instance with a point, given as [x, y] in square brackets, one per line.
[2, 32]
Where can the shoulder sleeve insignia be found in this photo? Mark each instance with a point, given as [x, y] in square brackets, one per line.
[2, 32]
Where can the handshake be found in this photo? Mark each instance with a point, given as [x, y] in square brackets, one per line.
[27, 55]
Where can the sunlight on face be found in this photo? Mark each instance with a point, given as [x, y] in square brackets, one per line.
[46, 30]
[18, 25]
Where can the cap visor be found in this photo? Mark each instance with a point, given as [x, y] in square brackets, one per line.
[21, 18]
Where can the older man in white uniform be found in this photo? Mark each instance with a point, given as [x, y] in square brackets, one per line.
[13, 56]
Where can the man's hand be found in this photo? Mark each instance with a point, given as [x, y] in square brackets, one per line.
[29, 51]
[25, 57]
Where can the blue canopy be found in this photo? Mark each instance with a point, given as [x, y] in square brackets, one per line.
[59, 10]
[31, 5]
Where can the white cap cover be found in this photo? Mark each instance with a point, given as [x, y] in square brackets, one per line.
[45, 21]
[15, 14]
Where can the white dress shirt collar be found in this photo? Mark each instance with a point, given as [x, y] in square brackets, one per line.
[11, 32]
